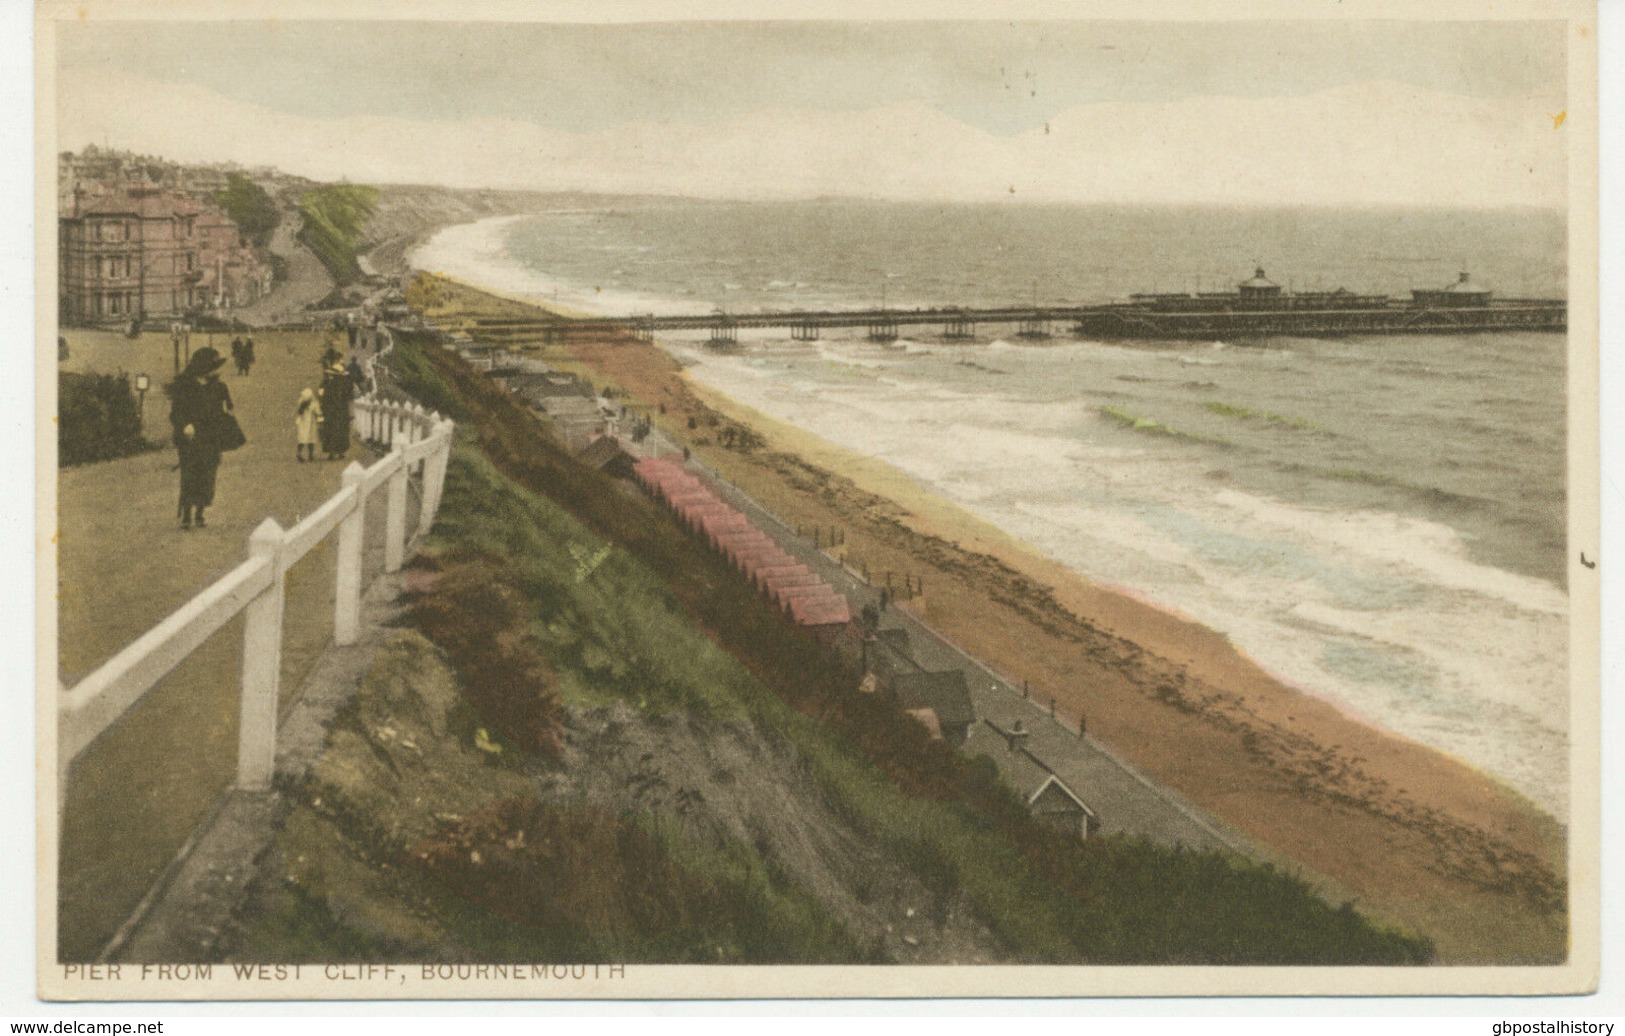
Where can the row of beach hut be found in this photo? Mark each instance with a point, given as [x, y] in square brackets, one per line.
[792, 586]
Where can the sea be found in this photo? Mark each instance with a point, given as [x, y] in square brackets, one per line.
[1376, 520]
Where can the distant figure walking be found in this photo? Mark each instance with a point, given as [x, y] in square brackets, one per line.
[199, 405]
[337, 392]
[237, 354]
[307, 421]
[248, 355]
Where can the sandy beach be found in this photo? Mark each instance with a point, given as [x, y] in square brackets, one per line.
[1414, 837]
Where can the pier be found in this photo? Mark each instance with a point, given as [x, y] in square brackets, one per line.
[1143, 317]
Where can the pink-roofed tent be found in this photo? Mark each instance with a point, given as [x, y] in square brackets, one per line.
[821, 611]
[793, 567]
[692, 509]
[785, 579]
[784, 595]
[736, 544]
[748, 561]
[714, 518]
[690, 498]
[749, 558]
[668, 491]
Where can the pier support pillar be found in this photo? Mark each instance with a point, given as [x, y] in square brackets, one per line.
[1034, 327]
[883, 329]
[724, 334]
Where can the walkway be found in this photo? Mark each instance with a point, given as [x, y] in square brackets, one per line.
[123, 565]
[306, 280]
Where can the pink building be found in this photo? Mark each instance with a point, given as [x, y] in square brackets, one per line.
[142, 252]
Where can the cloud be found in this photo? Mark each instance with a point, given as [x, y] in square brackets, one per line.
[1370, 143]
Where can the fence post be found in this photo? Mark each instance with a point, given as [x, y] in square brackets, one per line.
[395, 517]
[448, 430]
[389, 426]
[434, 475]
[347, 595]
[262, 666]
[420, 423]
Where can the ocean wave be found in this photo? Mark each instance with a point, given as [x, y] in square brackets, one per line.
[479, 253]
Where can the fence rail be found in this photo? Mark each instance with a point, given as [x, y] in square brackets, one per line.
[419, 442]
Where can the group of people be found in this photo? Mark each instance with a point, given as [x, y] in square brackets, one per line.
[323, 414]
[242, 353]
[204, 426]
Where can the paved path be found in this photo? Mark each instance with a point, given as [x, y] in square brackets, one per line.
[188, 910]
[123, 565]
[1124, 799]
[307, 279]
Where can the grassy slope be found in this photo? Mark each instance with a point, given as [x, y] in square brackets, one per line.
[334, 217]
[631, 632]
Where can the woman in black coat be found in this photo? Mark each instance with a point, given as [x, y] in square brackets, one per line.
[198, 401]
[337, 392]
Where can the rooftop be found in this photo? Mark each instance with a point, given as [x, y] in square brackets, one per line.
[1258, 280]
[944, 691]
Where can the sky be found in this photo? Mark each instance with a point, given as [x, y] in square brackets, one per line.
[1313, 113]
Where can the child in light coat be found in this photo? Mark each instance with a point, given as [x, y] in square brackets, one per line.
[307, 422]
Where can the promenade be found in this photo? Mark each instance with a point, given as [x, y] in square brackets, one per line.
[136, 795]
[1126, 801]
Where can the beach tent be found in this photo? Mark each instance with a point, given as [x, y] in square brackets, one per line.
[821, 611]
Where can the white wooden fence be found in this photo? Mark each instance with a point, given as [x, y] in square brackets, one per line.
[419, 441]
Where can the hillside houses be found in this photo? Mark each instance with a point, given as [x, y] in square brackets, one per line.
[940, 701]
[1049, 798]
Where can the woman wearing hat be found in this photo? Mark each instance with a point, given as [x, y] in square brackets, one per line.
[337, 392]
[198, 403]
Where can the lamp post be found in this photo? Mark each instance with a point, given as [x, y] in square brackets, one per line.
[142, 383]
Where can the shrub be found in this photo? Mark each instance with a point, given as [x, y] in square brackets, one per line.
[480, 619]
[97, 419]
[599, 885]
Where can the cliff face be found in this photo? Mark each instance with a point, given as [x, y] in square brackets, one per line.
[405, 216]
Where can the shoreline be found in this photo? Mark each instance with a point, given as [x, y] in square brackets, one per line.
[1420, 839]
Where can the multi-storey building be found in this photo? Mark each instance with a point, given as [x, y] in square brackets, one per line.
[139, 252]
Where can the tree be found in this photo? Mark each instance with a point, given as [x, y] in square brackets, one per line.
[250, 206]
